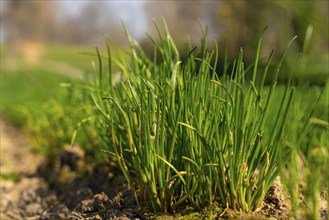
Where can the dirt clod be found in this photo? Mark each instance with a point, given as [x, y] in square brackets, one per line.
[275, 202]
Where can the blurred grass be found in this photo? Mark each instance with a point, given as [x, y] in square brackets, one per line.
[27, 88]
[28, 85]
[77, 56]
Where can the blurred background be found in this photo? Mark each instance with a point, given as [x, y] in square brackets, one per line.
[54, 33]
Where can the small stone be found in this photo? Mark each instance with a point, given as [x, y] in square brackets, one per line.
[110, 177]
[87, 206]
[14, 214]
[62, 215]
[101, 197]
[70, 156]
[33, 209]
[76, 216]
[28, 197]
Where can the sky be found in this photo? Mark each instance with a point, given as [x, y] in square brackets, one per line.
[130, 12]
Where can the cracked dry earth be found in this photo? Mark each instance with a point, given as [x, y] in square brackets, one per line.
[25, 193]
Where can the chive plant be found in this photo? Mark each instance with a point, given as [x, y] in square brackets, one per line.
[307, 141]
[51, 124]
[182, 135]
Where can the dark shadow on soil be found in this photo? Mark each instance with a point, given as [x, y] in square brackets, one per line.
[99, 192]
[77, 190]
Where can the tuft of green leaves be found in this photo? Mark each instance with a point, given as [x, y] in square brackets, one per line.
[183, 135]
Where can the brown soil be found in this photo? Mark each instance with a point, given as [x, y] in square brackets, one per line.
[31, 189]
[72, 189]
